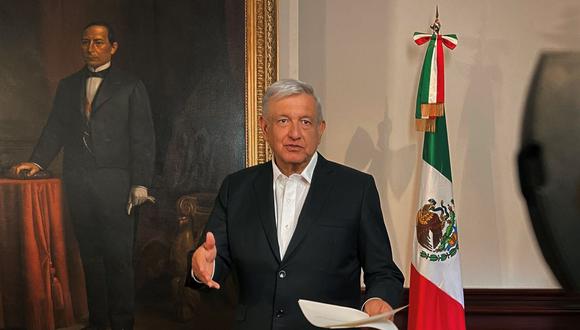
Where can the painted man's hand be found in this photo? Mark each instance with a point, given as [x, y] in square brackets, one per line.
[203, 262]
[30, 167]
[137, 196]
[377, 306]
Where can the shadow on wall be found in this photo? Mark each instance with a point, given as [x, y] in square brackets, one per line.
[476, 131]
[392, 168]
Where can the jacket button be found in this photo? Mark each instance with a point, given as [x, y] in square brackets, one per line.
[282, 274]
[280, 313]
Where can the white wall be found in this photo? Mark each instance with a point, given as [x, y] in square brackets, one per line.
[361, 59]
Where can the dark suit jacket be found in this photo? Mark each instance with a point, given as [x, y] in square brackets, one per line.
[121, 127]
[340, 230]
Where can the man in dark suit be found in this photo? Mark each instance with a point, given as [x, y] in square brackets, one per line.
[298, 227]
[102, 119]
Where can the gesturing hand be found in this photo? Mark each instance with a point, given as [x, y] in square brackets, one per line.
[203, 261]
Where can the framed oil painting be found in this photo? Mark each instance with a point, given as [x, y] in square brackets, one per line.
[205, 65]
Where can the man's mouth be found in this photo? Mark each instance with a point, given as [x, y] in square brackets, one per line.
[293, 147]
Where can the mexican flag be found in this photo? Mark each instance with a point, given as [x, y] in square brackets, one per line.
[436, 291]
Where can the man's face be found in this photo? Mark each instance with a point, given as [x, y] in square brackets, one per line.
[96, 47]
[293, 131]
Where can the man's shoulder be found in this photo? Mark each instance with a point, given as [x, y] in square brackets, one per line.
[115, 73]
[250, 173]
[76, 76]
[342, 171]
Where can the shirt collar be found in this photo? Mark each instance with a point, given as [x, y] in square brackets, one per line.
[101, 68]
[307, 173]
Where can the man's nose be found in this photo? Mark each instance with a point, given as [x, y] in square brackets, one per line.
[294, 132]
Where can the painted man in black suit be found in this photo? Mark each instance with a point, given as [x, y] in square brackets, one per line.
[102, 119]
[297, 227]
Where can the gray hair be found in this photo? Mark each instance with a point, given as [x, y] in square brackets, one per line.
[289, 87]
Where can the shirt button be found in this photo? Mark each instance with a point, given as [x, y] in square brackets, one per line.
[282, 274]
[280, 313]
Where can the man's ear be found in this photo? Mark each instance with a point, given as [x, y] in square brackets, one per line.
[114, 47]
[321, 128]
[263, 124]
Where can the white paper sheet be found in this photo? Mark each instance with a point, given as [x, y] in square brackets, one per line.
[339, 317]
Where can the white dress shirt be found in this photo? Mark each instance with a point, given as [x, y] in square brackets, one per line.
[289, 196]
[93, 83]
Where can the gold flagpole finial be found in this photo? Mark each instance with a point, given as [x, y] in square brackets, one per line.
[436, 26]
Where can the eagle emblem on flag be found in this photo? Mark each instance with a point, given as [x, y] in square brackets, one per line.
[437, 230]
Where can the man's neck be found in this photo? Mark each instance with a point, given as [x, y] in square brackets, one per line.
[289, 169]
[100, 67]
[292, 169]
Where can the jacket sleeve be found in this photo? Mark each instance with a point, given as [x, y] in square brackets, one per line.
[382, 277]
[52, 137]
[142, 135]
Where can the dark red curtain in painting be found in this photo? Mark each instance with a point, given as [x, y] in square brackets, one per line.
[39, 282]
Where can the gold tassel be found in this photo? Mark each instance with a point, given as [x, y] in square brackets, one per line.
[56, 288]
[429, 110]
[425, 125]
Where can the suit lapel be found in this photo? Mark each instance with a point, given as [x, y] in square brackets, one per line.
[313, 205]
[81, 77]
[106, 89]
[263, 187]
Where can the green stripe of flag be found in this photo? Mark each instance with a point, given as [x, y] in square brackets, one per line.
[423, 91]
[436, 148]
[454, 36]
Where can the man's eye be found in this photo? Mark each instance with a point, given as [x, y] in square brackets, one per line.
[283, 120]
[306, 122]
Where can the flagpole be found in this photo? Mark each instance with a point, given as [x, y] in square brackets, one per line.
[436, 290]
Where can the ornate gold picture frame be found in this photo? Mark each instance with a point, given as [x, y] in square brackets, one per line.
[261, 71]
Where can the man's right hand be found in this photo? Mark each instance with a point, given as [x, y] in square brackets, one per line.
[203, 261]
[31, 168]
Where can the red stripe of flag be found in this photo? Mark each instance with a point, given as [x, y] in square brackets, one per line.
[422, 40]
[449, 44]
[440, 71]
[432, 308]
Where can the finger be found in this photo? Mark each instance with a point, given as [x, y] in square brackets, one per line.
[386, 307]
[204, 276]
[19, 168]
[129, 208]
[33, 171]
[207, 280]
[213, 284]
[209, 243]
